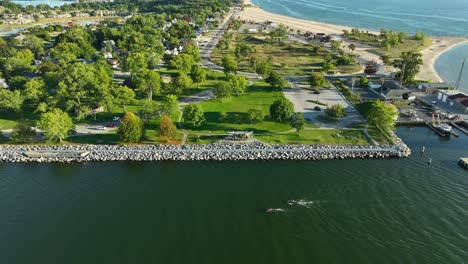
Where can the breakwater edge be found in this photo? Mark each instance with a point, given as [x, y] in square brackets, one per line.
[222, 151]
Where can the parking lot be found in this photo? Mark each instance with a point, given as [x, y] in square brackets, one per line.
[304, 101]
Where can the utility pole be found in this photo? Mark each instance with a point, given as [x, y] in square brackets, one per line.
[460, 75]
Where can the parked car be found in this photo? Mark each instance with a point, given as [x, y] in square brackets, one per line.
[350, 109]
[316, 92]
[72, 132]
[111, 126]
[317, 108]
[117, 118]
[101, 128]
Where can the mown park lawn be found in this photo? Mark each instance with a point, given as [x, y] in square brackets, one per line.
[289, 58]
[259, 96]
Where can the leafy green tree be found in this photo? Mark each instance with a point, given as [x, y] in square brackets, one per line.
[34, 44]
[317, 80]
[11, 100]
[222, 90]
[149, 82]
[242, 51]
[17, 82]
[183, 63]
[181, 82]
[255, 115]
[278, 34]
[7, 50]
[328, 66]
[363, 81]
[275, 80]
[402, 37]
[170, 105]
[382, 115]
[34, 90]
[193, 115]
[82, 87]
[299, 122]
[123, 96]
[167, 129]
[238, 83]
[149, 111]
[281, 110]
[66, 52]
[135, 63]
[81, 37]
[409, 63]
[22, 132]
[131, 129]
[55, 124]
[264, 67]
[19, 63]
[42, 107]
[229, 63]
[385, 59]
[335, 111]
[197, 74]
[335, 45]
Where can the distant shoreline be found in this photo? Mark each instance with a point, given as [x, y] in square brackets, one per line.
[440, 45]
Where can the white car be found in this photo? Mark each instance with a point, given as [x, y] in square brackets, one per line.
[116, 118]
[101, 128]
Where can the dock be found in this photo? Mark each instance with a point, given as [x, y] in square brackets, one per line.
[431, 126]
[463, 162]
[459, 127]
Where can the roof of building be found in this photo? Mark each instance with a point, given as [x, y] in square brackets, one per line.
[461, 98]
[435, 85]
[450, 92]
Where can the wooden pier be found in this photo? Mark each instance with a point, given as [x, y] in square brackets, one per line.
[463, 162]
[459, 127]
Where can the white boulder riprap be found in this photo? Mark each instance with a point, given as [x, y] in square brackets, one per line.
[222, 151]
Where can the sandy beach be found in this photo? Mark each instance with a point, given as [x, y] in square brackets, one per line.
[430, 55]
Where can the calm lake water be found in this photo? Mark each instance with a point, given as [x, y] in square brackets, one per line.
[363, 211]
[433, 17]
[449, 65]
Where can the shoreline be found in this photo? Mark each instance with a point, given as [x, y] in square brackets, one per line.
[440, 44]
[222, 151]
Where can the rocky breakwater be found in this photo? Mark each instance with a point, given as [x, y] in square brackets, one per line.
[222, 151]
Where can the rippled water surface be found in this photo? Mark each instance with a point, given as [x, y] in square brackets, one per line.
[362, 211]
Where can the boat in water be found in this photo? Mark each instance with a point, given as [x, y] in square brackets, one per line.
[443, 129]
[274, 210]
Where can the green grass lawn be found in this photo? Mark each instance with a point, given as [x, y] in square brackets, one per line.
[108, 138]
[411, 43]
[7, 124]
[318, 137]
[259, 96]
[289, 58]
[204, 139]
